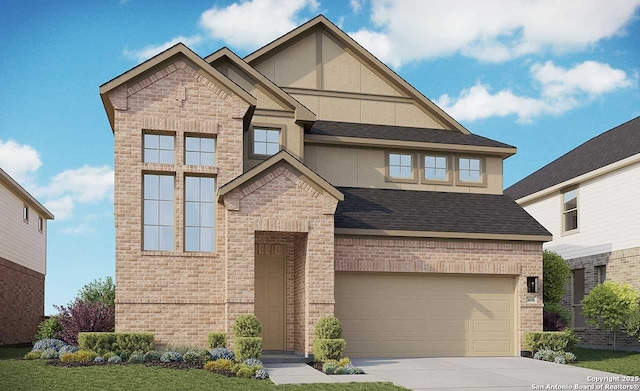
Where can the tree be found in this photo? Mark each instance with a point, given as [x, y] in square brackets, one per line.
[84, 316]
[555, 271]
[98, 291]
[610, 305]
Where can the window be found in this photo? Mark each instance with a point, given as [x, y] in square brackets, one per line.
[25, 213]
[435, 168]
[570, 210]
[470, 170]
[158, 212]
[199, 151]
[400, 166]
[578, 295]
[158, 148]
[266, 141]
[40, 224]
[199, 213]
[601, 274]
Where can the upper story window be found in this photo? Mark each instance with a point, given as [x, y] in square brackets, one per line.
[400, 166]
[601, 274]
[470, 170]
[199, 151]
[158, 212]
[570, 211]
[436, 168]
[25, 213]
[40, 224]
[199, 214]
[266, 142]
[158, 148]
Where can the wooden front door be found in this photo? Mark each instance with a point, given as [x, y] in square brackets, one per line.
[269, 300]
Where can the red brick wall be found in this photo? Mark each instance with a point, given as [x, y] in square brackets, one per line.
[21, 303]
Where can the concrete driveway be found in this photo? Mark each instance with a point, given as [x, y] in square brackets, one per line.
[488, 373]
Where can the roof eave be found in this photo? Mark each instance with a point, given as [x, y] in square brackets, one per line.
[443, 234]
[17, 188]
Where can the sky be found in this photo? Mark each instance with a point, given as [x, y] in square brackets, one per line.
[542, 75]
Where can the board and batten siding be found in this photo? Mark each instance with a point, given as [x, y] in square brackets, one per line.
[21, 242]
[608, 215]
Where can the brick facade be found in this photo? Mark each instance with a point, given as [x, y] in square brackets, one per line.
[622, 266]
[22, 298]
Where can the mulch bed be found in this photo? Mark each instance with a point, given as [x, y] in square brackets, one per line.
[316, 365]
[173, 365]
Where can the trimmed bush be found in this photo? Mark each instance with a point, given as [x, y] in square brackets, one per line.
[262, 374]
[151, 355]
[48, 343]
[216, 340]
[252, 362]
[123, 354]
[222, 364]
[194, 357]
[245, 372]
[248, 347]
[49, 354]
[33, 355]
[328, 349]
[109, 342]
[136, 358]
[114, 360]
[247, 326]
[220, 353]
[328, 327]
[551, 340]
[48, 328]
[108, 355]
[171, 357]
[330, 367]
[555, 273]
[79, 356]
[67, 349]
[99, 360]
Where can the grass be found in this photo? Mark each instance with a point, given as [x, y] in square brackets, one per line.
[36, 375]
[624, 363]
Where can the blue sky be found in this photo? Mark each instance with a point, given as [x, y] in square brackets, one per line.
[544, 76]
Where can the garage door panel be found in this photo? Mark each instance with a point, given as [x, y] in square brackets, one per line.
[421, 315]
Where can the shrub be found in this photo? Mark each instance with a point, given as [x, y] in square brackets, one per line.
[79, 356]
[220, 353]
[99, 292]
[151, 355]
[49, 354]
[114, 360]
[49, 343]
[34, 355]
[67, 349]
[351, 370]
[106, 342]
[216, 340]
[609, 305]
[555, 271]
[171, 357]
[344, 361]
[262, 374]
[328, 349]
[123, 354]
[252, 362]
[136, 358]
[328, 327]
[99, 360]
[248, 347]
[557, 356]
[194, 357]
[108, 355]
[329, 367]
[245, 372]
[553, 321]
[550, 340]
[247, 326]
[84, 316]
[222, 364]
[48, 328]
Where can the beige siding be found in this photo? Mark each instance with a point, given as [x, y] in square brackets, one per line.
[608, 215]
[365, 167]
[21, 242]
[294, 66]
[292, 141]
[264, 99]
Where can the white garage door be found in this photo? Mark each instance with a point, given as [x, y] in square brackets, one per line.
[426, 315]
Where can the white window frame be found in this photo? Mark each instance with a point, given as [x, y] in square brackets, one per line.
[564, 212]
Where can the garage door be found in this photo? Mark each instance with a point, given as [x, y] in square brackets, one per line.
[426, 315]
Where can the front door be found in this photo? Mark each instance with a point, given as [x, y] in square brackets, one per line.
[269, 300]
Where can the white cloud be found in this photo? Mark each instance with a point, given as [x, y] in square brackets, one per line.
[356, 5]
[18, 160]
[147, 52]
[561, 90]
[79, 229]
[62, 207]
[251, 24]
[489, 31]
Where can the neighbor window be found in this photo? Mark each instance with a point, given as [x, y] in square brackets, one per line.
[400, 166]
[266, 141]
[158, 212]
[158, 148]
[570, 210]
[199, 206]
[578, 295]
[199, 151]
[25, 213]
[601, 274]
[435, 168]
[40, 224]
[470, 170]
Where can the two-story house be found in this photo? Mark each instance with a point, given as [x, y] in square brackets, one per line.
[587, 199]
[23, 262]
[308, 179]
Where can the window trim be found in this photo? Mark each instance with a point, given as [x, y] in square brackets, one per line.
[599, 269]
[483, 171]
[215, 213]
[414, 167]
[564, 231]
[159, 133]
[40, 224]
[573, 305]
[175, 211]
[423, 169]
[282, 128]
[25, 213]
[199, 135]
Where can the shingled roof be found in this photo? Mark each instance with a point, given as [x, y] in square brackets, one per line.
[407, 210]
[404, 133]
[611, 146]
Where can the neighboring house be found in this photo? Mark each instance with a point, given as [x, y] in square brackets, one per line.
[23, 261]
[588, 199]
[308, 179]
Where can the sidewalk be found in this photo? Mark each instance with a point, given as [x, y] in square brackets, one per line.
[298, 373]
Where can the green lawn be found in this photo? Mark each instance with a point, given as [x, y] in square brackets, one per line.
[36, 375]
[624, 363]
